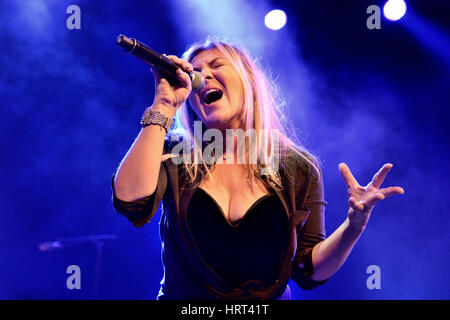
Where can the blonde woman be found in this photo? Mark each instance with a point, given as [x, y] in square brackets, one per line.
[233, 229]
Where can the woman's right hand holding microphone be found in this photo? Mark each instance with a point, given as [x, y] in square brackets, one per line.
[169, 98]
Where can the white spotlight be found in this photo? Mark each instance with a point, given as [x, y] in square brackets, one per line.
[394, 9]
[275, 19]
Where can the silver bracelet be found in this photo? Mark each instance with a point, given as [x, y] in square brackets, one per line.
[155, 117]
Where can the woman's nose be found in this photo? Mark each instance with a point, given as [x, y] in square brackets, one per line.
[207, 74]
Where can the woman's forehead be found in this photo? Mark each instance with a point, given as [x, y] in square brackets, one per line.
[207, 56]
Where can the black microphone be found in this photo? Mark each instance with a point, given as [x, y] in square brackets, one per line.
[165, 66]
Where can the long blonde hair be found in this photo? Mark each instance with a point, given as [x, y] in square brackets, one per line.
[262, 109]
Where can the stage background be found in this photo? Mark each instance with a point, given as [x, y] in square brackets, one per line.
[72, 100]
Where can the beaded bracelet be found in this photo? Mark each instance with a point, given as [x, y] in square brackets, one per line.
[155, 117]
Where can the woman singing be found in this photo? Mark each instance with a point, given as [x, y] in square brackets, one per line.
[233, 229]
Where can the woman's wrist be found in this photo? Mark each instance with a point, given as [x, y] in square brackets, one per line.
[355, 230]
[165, 110]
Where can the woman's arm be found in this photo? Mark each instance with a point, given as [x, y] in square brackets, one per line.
[329, 255]
[138, 172]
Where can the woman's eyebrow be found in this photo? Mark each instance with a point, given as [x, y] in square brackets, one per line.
[215, 60]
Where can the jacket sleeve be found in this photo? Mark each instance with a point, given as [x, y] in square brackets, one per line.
[313, 232]
[141, 211]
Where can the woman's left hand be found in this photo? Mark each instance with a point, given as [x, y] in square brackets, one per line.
[362, 199]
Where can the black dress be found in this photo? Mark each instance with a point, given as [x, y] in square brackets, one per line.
[248, 249]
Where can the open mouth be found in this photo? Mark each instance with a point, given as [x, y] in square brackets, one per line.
[212, 95]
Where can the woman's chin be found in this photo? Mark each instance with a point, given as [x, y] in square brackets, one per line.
[216, 121]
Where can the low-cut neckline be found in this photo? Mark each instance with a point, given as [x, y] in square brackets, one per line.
[236, 223]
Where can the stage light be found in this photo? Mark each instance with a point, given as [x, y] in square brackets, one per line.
[394, 9]
[275, 19]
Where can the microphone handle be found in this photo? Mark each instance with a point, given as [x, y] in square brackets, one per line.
[163, 64]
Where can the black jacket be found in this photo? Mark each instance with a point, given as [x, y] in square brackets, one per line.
[186, 274]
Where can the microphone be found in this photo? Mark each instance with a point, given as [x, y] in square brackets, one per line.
[163, 64]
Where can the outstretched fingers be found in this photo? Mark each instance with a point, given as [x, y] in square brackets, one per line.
[389, 191]
[349, 179]
[378, 178]
[382, 194]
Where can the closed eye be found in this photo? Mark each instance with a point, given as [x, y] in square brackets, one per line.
[215, 64]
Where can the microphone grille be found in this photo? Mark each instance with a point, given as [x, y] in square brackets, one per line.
[197, 80]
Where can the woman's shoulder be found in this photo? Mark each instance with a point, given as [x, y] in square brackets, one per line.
[300, 161]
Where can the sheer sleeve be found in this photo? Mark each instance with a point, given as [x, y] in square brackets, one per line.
[140, 212]
[311, 234]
